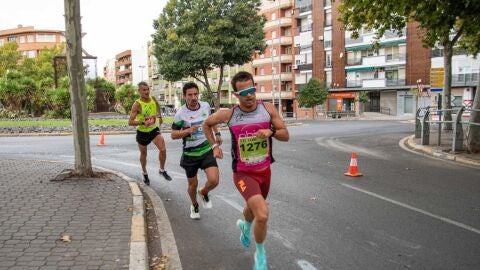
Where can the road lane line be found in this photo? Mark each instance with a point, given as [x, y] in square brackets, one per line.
[231, 203]
[305, 265]
[444, 219]
[343, 147]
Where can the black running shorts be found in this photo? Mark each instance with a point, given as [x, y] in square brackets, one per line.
[192, 164]
[145, 138]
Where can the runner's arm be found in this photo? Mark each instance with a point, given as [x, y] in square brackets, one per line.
[279, 130]
[159, 111]
[133, 115]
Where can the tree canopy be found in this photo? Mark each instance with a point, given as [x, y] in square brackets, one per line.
[312, 94]
[194, 36]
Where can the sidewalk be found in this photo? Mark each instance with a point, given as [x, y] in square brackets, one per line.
[71, 224]
[442, 150]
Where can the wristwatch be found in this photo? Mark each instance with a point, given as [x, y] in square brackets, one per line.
[218, 134]
[273, 131]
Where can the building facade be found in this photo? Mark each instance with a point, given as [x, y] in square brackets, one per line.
[30, 40]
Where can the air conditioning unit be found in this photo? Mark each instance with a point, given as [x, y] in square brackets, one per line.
[295, 66]
[297, 45]
[320, 38]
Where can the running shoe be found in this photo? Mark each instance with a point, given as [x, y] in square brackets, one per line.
[146, 180]
[194, 212]
[260, 261]
[244, 233]
[165, 175]
[205, 199]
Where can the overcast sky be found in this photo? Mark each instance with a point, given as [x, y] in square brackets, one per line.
[112, 26]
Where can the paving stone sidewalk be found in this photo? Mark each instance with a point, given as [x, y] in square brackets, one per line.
[96, 214]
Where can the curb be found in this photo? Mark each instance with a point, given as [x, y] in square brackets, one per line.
[408, 145]
[138, 241]
[167, 239]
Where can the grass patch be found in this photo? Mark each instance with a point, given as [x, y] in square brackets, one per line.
[66, 122]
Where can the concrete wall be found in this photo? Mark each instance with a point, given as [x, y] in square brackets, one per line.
[388, 99]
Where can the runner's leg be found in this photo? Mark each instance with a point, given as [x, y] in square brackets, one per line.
[143, 157]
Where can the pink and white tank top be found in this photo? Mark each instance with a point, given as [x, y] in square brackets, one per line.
[250, 153]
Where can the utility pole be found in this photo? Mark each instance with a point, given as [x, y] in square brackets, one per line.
[78, 93]
[279, 61]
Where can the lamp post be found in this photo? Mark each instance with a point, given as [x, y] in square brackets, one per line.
[279, 62]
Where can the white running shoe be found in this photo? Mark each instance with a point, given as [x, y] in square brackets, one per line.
[206, 202]
[194, 212]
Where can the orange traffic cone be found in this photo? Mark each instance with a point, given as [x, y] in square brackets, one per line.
[101, 141]
[353, 170]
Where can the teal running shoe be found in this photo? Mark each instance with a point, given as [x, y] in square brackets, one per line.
[244, 233]
[260, 261]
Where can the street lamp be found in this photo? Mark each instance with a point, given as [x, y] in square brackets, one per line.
[279, 61]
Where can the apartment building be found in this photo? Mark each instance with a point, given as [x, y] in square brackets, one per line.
[30, 40]
[109, 70]
[272, 70]
[130, 67]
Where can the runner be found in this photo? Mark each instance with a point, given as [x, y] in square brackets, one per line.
[252, 125]
[197, 151]
[145, 111]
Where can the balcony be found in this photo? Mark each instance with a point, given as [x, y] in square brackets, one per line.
[284, 40]
[375, 82]
[302, 67]
[286, 58]
[284, 22]
[286, 77]
[369, 38]
[467, 79]
[378, 61]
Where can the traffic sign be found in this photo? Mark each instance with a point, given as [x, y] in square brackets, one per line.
[436, 79]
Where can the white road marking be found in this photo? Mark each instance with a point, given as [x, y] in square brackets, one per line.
[305, 265]
[231, 203]
[343, 147]
[444, 219]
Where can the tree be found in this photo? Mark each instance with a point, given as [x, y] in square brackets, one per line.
[312, 94]
[78, 95]
[126, 96]
[442, 22]
[8, 57]
[194, 36]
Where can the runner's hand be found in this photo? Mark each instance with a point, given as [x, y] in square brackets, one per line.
[194, 129]
[263, 133]
[217, 152]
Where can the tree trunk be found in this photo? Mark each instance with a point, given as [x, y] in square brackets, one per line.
[473, 137]
[447, 84]
[78, 93]
[219, 89]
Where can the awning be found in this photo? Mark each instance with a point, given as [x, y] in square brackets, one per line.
[368, 46]
[359, 69]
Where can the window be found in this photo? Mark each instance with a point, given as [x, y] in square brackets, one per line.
[262, 71]
[328, 59]
[327, 42]
[262, 88]
[274, 16]
[274, 34]
[46, 38]
[1, 42]
[274, 52]
[328, 17]
[328, 78]
[30, 38]
[22, 39]
[31, 54]
[288, 50]
[12, 39]
[288, 68]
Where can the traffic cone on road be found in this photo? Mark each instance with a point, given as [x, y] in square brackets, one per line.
[353, 170]
[101, 141]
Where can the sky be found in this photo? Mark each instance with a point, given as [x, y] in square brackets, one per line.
[111, 26]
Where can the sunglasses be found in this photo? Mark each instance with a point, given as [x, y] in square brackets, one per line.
[245, 92]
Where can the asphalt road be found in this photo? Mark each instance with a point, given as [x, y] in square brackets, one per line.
[406, 212]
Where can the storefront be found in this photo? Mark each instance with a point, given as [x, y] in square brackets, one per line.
[341, 102]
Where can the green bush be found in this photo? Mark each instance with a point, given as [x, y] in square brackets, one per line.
[126, 96]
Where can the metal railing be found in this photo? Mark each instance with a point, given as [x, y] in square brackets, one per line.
[423, 121]
[385, 110]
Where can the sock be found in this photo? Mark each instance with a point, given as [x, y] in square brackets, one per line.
[260, 248]
[161, 170]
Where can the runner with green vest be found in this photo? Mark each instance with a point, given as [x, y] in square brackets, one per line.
[144, 114]
[197, 151]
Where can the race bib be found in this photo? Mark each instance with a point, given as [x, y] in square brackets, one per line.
[252, 149]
